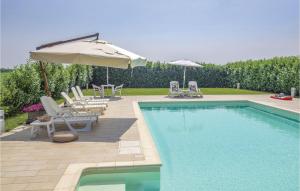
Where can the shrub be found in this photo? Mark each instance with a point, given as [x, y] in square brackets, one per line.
[278, 74]
[21, 87]
[33, 108]
[58, 79]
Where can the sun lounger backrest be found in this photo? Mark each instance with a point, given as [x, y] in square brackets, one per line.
[54, 105]
[174, 86]
[79, 91]
[67, 98]
[49, 110]
[193, 87]
[75, 93]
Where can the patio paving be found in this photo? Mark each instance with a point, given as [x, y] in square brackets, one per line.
[38, 164]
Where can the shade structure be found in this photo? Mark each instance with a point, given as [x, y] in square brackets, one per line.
[89, 52]
[83, 50]
[184, 63]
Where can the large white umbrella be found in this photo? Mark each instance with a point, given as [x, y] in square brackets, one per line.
[184, 63]
[86, 51]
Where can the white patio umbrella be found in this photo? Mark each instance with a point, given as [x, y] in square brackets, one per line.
[85, 51]
[184, 63]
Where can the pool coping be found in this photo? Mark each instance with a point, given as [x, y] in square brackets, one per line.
[72, 174]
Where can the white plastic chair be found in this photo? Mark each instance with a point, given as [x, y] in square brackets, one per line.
[98, 89]
[118, 89]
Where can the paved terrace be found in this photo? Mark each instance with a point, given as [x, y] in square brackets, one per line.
[38, 164]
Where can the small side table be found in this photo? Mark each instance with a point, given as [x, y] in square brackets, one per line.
[36, 126]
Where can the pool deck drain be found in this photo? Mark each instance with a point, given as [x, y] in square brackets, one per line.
[38, 164]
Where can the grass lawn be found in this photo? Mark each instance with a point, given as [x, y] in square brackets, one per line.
[14, 121]
[18, 119]
[164, 91]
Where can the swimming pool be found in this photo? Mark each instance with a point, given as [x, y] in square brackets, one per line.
[120, 179]
[232, 145]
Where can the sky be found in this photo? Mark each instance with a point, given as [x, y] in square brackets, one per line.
[211, 31]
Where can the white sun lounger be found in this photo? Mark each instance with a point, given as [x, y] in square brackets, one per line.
[68, 118]
[89, 98]
[174, 90]
[86, 101]
[81, 106]
[69, 110]
[194, 90]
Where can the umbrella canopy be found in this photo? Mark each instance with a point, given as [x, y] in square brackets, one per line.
[83, 50]
[89, 52]
[184, 63]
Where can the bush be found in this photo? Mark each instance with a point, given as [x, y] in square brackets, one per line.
[58, 79]
[24, 85]
[21, 87]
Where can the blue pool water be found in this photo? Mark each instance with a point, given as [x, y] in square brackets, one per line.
[120, 179]
[225, 146]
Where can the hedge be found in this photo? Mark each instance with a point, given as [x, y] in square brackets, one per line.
[278, 74]
[159, 75]
[24, 85]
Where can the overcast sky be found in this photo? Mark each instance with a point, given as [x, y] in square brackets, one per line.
[216, 31]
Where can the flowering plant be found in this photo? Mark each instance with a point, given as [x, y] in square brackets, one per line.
[33, 108]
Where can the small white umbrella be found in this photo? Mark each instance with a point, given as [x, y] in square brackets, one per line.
[184, 63]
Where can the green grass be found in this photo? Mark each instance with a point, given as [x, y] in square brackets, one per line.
[14, 121]
[164, 91]
[19, 119]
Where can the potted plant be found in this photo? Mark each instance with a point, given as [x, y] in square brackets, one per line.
[34, 111]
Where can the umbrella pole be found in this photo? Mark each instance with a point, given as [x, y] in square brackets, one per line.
[44, 76]
[183, 77]
[107, 75]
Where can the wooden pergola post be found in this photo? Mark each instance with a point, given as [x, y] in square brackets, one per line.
[44, 76]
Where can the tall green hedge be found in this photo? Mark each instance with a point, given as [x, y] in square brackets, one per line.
[278, 74]
[159, 75]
